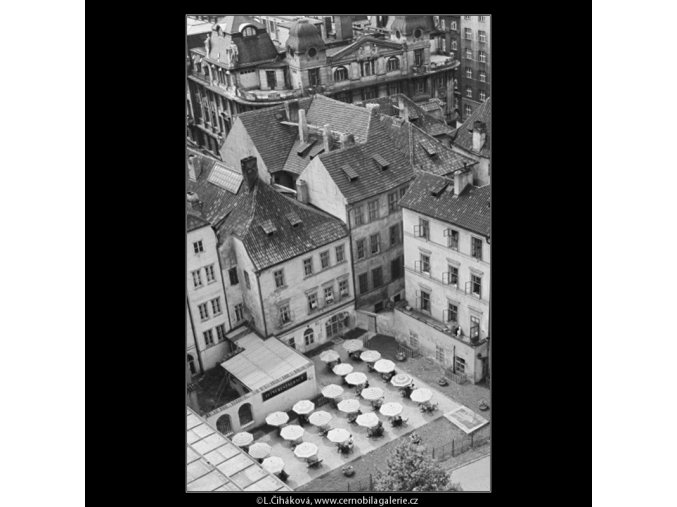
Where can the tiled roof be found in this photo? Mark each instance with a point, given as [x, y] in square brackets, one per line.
[425, 121]
[464, 133]
[194, 221]
[341, 116]
[364, 39]
[371, 180]
[470, 210]
[264, 204]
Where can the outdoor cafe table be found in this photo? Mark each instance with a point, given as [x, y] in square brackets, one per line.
[320, 418]
[332, 391]
[401, 380]
[277, 419]
[384, 366]
[242, 439]
[391, 409]
[368, 420]
[303, 407]
[356, 378]
[329, 356]
[353, 345]
[273, 464]
[338, 435]
[370, 356]
[292, 433]
[343, 369]
[421, 395]
[259, 450]
[372, 393]
[349, 406]
[305, 450]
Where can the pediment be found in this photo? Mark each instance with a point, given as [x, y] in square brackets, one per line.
[365, 48]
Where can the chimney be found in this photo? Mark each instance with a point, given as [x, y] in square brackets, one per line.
[291, 110]
[250, 172]
[343, 26]
[303, 125]
[462, 178]
[404, 110]
[373, 109]
[479, 136]
[191, 168]
[194, 200]
[326, 138]
[302, 191]
[347, 140]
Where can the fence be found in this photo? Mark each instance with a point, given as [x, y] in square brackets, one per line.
[460, 445]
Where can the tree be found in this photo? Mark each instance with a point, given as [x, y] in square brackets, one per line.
[410, 469]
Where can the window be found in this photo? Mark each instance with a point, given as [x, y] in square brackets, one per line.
[393, 88]
[420, 86]
[482, 57]
[333, 327]
[340, 74]
[377, 276]
[468, 92]
[459, 365]
[314, 77]
[375, 242]
[312, 52]
[279, 278]
[439, 354]
[468, 54]
[329, 295]
[364, 283]
[221, 332]
[392, 202]
[204, 312]
[393, 64]
[246, 280]
[197, 247]
[483, 95]
[454, 44]
[453, 275]
[216, 306]
[339, 254]
[423, 228]
[396, 268]
[476, 248]
[239, 312]
[443, 24]
[452, 312]
[249, 31]
[308, 266]
[482, 18]
[474, 327]
[358, 218]
[232, 274]
[197, 280]
[191, 364]
[483, 77]
[272, 80]
[367, 67]
[403, 191]
[343, 289]
[394, 234]
[308, 336]
[360, 248]
[483, 36]
[467, 18]
[476, 285]
[285, 315]
[209, 337]
[324, 259]
[209, 271]
[425, 301]
[418, 57]
[452, 239]
[417, 33]
[370, 93]
[292, 342]
[413, 340]
[467, 110]
[453, 25]
[245, 414]
[373, 210]
[468, 72]
[312, 302]
[425, 263]
[468, 34]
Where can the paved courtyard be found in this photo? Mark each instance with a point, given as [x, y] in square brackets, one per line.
[300, 474]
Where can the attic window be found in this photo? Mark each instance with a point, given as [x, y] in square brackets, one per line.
[304, 147]
[383, 163]
[349, 172]
[429, 149]
[294, 219]
[225, 178]
[249, 31]
[438, 188]
[268, 226]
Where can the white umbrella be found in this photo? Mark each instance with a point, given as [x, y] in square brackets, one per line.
[372, 393]
[274, 465]
[370, 356]
[368, 420]
[332, 391]
[349, 406]
[277, 418]
[338, 435]
[242, 439]
[328, 356]
[384, 366]
[401, 380]
[303, 407]
[356, 378]
[391, 409]
[320, 418]
[353, 345]
[343, 369]
[421, 395]
[305, 450]
[292, 432]
[259, 450]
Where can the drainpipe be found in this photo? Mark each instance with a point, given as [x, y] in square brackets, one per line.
[223, 284]
[192, 326]
[263, 310]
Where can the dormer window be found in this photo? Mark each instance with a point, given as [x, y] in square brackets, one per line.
[249, 31]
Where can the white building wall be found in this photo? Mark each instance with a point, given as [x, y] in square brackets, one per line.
[239, 145]
[322, 190]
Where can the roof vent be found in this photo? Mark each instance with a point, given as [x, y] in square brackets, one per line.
[304, 147]
[268, 227]
[439, 188]
[294, 219]
[429, 148]
[383, 163]
[349, 172]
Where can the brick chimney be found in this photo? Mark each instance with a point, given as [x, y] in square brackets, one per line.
[303, 126]
[326, 138]
[250, 172]
[347, 140]
[302, 191]
[462, 178]
[479, 136]
[404, 110]
[291, 110]
[373, 109]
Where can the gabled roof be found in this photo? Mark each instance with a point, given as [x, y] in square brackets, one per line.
[263, 206]
[232, 24]
[470, 210]
[194, 221]
[371, 179]
[424, 120]
[365, 39]
[341, 116]
[464, 132]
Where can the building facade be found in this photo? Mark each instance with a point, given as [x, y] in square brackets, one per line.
[447, 270]
[474, 76]
[473, 140]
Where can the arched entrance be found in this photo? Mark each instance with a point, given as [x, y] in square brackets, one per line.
[245, 414]
[223, 424]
